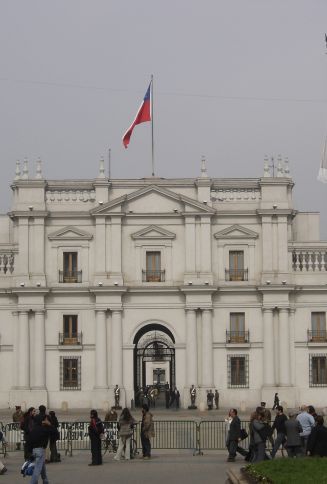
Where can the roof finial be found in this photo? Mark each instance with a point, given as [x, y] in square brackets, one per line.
[39, 169]
[101, 168]
[286, 167]
[25, 169]
[17, 171]
[204, 173]
[266, 169]
[280, 170]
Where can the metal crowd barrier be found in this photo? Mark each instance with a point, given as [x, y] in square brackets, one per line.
[169, 434]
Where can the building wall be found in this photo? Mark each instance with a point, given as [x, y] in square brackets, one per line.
[194, 224]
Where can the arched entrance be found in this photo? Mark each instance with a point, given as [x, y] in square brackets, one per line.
[154, 362]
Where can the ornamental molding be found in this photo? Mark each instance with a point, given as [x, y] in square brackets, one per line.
[236, 232]
[70, 233]
[153, 232]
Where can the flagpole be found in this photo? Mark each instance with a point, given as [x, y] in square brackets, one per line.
[152, 138]
[109, 163]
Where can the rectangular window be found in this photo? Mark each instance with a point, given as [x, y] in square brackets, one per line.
[318, 371]
[70, 378]
[70, 328]
[236, 270]
[237, 328]
[238, 371]
[318, 326]
[70, 272]
[153, 271]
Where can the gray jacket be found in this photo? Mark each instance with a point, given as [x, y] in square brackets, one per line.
[257, 425]
[293, 430]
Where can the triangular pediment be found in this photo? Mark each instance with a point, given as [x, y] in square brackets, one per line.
[153, 232]
[153, 193]
[236, 232]
[70, 233]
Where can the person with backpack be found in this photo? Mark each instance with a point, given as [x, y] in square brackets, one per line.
[125, 426]
[96, 430]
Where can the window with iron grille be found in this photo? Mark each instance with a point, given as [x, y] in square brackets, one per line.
[238, 371]
[70, 373]
[318, 370]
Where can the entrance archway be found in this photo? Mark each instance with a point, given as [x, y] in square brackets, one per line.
[154, 363]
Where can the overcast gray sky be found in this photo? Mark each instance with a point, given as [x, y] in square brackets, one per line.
[234, 80]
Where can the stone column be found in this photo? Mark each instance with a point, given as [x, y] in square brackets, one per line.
[100, 350]
[268, 348]
[116, 349]
[116, 244]
[191, 348]
[266, 244]
[39, 356]
[24, 351]
[282, 245]
[207, 360]
[189, 244]
[100, 245]
[15, 349]
[23, 241]
[292, 347]
[284, 348]
[205, 244]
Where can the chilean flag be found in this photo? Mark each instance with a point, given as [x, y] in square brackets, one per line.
[143, 115]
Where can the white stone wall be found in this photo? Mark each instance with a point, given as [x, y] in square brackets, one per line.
[111, 226]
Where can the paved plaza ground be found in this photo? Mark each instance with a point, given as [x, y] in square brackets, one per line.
[164, 468]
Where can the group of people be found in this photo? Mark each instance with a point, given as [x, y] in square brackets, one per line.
[300, 434]
[41, 433]
[172, 397]
[126, 424]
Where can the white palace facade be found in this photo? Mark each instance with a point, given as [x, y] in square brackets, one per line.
[217, 283]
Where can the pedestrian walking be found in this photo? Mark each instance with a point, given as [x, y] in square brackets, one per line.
[37, 442]
[177, 398]
[3, 468]
[307, 423]
[210, 398]
[96, 430]
[234, 437]
[259, 435]
[293, 439]
[147, 431]
[279, 426]
[125, 426]
[276, 401]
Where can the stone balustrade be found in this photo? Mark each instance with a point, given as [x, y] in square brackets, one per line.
[309, 259]
[70, 196]
[7, 261]
[235, 195]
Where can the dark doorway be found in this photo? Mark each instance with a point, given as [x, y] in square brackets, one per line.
[154, 364]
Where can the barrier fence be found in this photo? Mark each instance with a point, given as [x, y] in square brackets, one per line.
[169, 434]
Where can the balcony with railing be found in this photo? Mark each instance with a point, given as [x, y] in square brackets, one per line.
[70, 276]
[153, 276]
[236, 274]
[309, 259]
[74, 339]
[237, 337]
[317, 336]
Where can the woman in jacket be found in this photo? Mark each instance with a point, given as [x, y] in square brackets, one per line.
[95, 431]
[147, 431]
[125, 425]
[259, 440]
[54, 456]
[26, 426]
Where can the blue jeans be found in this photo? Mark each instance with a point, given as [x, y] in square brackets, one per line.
[39, 458]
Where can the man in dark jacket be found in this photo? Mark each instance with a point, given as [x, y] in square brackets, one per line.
[317, 442]
[234, 437]
[279, 425]
[37, 442]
